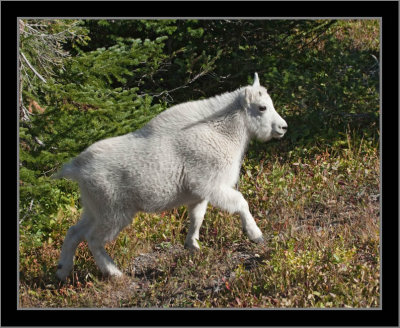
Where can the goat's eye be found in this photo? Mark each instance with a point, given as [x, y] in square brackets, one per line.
[262, 108]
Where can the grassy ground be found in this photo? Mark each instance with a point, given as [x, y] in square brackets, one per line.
[318, 207]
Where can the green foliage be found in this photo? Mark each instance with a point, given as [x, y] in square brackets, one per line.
[42, 44]
[115, 75]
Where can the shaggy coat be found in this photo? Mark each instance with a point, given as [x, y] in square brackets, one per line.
[189, 155]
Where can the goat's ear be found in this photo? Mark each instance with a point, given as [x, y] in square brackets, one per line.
[247, 96]
[256, 82]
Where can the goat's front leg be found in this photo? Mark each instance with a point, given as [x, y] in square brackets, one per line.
[196, 215]
[231, 200]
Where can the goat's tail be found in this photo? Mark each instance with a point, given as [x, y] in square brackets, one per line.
[68, 170]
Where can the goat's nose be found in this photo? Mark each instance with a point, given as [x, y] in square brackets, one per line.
[284, 127]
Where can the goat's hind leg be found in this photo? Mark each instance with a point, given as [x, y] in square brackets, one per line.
[96, 240]
[98, 236]
[74, 236]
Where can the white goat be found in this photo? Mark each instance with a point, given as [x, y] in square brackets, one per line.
[190, 155]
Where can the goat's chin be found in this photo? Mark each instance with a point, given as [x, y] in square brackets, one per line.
[277, 135]
[264, 138]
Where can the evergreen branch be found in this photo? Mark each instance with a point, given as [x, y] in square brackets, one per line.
[31, 67]
[167, 93]
[25, 114]
[28, 212]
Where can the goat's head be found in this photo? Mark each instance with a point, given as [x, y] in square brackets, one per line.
[262, 119]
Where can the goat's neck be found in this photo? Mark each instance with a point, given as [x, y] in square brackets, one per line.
[231, 124]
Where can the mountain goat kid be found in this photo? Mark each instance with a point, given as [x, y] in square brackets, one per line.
[190, 155]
